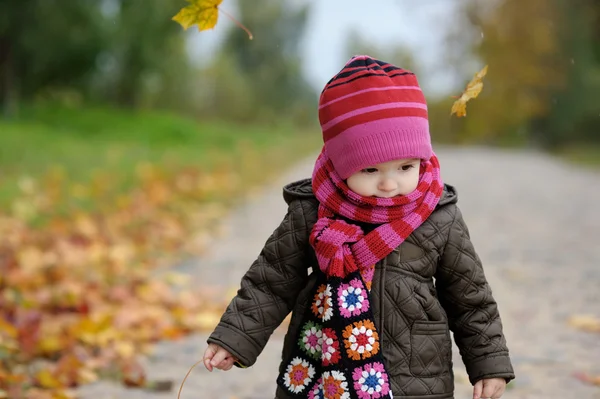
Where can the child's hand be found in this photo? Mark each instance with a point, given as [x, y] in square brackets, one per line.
[218, 357]
[492, 388]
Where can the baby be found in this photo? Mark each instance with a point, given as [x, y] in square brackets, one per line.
[373, 259]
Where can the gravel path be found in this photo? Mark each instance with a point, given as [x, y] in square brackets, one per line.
[535, 222]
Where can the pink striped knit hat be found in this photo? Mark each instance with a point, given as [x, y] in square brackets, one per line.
[373, 112]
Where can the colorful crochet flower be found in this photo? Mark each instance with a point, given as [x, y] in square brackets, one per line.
[371, 381]
[316, 392]
[311, 340]
[330, 348]
[298, 375]
[334, 385]
[352, 298]
[322, 306]
[361, 340]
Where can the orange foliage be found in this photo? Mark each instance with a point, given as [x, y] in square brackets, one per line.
[83, 295]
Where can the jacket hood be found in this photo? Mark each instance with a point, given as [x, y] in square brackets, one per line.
[303, 189]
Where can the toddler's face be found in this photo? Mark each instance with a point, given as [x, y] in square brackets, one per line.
[386, 180]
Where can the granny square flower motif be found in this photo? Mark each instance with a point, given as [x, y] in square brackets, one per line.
[352, 298]
[298, 375]
[322, 305]
[361, 340]
[371, 381]
[332, 385]
[316, 392]
[311, 340]
[330, 348]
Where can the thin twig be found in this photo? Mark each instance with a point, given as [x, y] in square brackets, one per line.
[186, 376]
[238, 23]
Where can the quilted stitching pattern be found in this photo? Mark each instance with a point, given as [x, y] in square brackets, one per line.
[429, 349]
[472, 311]
[431, 282]
[269, 289]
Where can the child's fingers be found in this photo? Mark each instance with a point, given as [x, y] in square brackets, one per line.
[226, 364]
[499, 392]
[209, 353]
[477, 388]
[221, 355]
[208, 365]
[488, 391]
[228, 367]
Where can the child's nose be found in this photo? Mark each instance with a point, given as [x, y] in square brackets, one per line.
[387, 185]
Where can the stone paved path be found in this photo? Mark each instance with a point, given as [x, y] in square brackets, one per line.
[535, 222]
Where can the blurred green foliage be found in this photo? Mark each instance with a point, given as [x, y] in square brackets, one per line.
[542, 88]
[93, 90]
[130, 54]
[543, 84]
[86, 144]
[126, 52]
[266, 70]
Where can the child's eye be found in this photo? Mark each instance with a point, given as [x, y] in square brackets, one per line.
[369, 170]
[407, 167]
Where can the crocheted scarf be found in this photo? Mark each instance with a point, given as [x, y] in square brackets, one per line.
[337, 353]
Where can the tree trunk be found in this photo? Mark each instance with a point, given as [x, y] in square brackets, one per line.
[8, 79]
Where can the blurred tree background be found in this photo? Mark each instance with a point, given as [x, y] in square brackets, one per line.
[542, 88]
[266, 71]
[119, 72]
[543, 84]
[129, 53]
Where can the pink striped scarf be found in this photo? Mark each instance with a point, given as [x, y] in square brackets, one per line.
[341, 247]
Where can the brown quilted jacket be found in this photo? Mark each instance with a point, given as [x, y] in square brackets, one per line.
[431, 284]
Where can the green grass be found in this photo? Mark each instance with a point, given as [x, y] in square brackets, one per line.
[83, 143]
[585, 155]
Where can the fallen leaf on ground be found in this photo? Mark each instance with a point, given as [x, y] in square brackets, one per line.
[587, 378]
[473, 89]
[206, 320]
[585, 322]
[82, 296]
[160, 386]
[133, 374]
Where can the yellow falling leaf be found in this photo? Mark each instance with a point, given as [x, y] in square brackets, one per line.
[472, 91]
[203, 13]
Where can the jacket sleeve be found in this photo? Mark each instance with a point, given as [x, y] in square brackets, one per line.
[472, 311]
[268, 289]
